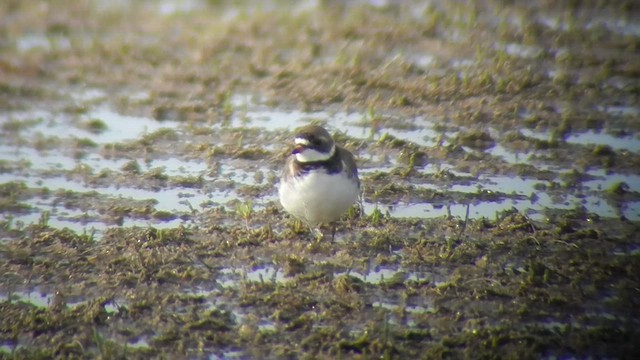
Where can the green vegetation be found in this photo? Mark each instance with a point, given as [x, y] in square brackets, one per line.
[240, 277]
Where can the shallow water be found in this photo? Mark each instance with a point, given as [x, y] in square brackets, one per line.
[123, 128]
[497, 149]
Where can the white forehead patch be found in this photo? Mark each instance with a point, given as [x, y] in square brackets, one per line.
[301, 141]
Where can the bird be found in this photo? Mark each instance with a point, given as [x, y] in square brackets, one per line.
[319, 182]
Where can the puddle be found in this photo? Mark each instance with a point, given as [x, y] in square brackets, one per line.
[44, 299]
[629, 143]
[461, 63]
[168, 199]
[175, 200]
[122, 127]
[64, 219]
[87, 94]
[172, 7]
[605, 181]
[182, 200]
[618, 110]
[139, 343]
[424, 61]
[33, 297]
[381, 274]
[375, 277]
[47, 160]
[38, 41]
[351, 124]
[90, 162]
[424, 137]
[416, 309]
[405, 314]
[231, 277]
[488, 210]
[617, 25]
[228, 355]
[117, 128]
[503, 184]
[553, 22]
[267, 273]
[523, 51]
[507, 155]
[590, 138]
[179, 167]
[535, 134]
[218, 186]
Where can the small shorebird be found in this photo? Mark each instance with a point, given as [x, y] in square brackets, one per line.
[320, 179]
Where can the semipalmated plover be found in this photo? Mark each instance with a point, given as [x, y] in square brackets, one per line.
[320, 179]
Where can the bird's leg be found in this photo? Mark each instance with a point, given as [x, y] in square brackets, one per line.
[333, 231]
[317, 233]
[361, 203]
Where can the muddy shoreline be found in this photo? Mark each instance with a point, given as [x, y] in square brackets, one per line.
[498, 145]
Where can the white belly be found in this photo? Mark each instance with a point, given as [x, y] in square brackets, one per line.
[318, 197]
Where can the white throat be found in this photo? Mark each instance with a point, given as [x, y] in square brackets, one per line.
[311, 155]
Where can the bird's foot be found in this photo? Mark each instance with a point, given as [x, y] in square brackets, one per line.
[317, 234]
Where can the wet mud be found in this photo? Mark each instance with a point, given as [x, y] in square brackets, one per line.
[498, 147]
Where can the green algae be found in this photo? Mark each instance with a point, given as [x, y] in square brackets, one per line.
[95, 126]
[541, 287]
[563, 286]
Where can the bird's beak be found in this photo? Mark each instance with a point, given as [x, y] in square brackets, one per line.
[298, 149]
